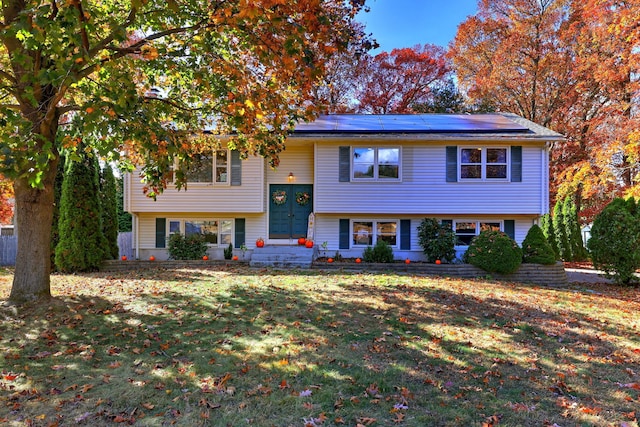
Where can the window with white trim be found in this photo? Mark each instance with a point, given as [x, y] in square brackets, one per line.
[367, 233]
[376, 163]
[206, 167]
[216, 232]
[467, 230]
[484, 164]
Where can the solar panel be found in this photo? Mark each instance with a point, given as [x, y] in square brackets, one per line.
[412, 123]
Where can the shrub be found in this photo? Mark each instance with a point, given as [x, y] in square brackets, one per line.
[536, 249]
[495, 252]
[228, 252]
[381, 252]
[562, 240]
[437, 240]
[192, 246]
[615, 241]
[547, 226]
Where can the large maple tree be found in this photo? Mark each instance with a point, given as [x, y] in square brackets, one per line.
[396, 81]
[568, 65]
[73, 70]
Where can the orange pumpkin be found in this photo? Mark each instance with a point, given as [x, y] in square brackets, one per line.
[235, 257]
[124, 257]
[330, 260]
[438, 261]
[302, 241]
[358, 260]
[260, 243]
[152, 258]
[309, 244]
[407, 261]
[205, 258]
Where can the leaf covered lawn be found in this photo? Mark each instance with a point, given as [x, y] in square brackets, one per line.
[244, 347]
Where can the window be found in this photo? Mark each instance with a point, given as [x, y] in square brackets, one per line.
[214, 231]
[367, 233]
[483, 163]
[204, 166]
[467, 230]
[376, 163]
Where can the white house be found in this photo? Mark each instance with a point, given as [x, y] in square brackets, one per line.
[365, 178]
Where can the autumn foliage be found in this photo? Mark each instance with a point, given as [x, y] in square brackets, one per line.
[568, 65]
[6, 201]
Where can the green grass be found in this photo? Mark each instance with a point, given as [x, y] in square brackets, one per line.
[243, 347]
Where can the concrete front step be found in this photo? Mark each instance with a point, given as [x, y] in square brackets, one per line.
[282, 257]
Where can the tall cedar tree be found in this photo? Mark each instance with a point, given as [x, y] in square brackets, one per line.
[55, 224]
[251, 64]
[124, 218]
[547, 226]
[82, 245]
[572, 229]
[109, 205]
[562, 240]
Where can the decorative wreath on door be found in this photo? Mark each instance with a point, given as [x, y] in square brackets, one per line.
[279, 197]
[302, 198]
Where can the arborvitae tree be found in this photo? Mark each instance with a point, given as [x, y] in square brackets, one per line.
[124, 218]
[109, 207]
[82, 243]
[564, 249]
[547, 226]
[572, 228]
[57, 190]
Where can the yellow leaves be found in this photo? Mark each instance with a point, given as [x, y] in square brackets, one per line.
[149, 52]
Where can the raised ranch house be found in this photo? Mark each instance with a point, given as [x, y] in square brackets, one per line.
[365, 178]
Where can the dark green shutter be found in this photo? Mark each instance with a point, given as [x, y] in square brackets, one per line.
[239, 226]
[405, 234]
[452, 164]
[510, 228]
[236, 168]
[344, 164]
[161, 232]
[516, 164]
[344, 234]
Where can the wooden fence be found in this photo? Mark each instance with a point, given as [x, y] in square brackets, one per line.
[9, 247]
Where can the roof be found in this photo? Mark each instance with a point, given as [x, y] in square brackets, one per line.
[434, 126]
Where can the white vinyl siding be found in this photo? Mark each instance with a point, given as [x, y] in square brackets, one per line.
[423, 188]
[200, 197]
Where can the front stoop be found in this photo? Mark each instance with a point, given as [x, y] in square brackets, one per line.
[282, 257]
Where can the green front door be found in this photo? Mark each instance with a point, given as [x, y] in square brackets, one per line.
[289, 209]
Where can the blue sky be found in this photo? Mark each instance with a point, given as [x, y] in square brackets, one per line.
[405, 23]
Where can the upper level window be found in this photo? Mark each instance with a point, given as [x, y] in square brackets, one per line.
[376, 163]
[204, 166]
[483, 163]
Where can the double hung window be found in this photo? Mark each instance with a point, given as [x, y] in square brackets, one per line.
[376, 163]
[214, 231]
[484, 164]
[368, 233]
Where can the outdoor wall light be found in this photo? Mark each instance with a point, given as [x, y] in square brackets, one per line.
[291, 177]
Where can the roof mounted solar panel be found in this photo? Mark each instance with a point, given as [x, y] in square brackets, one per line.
[412, 123]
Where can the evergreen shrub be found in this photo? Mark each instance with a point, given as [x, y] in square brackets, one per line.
[182, 247]
[615, 241]
[536, 249]
[495, 252]
[437, 240]
[381, 252]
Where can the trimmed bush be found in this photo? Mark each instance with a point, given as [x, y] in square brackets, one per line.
[381, 252]
[615, 241]
[192, 246]
[228, 252]
[536, 249]
[437, 240]
[547, 226]
[495, 252]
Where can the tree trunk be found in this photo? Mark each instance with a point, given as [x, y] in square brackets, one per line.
[34, 215]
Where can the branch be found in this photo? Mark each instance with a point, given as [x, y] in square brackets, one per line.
[105, 42]
[8, 76]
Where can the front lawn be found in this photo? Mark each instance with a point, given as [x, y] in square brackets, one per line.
[234, 346]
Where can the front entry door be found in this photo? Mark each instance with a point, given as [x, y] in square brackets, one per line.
[289, 209]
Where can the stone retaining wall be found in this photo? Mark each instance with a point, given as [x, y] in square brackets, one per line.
[550, 275]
